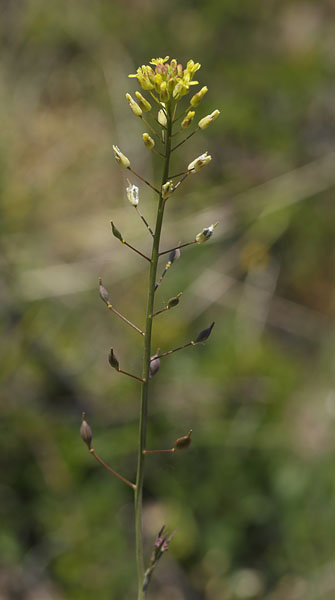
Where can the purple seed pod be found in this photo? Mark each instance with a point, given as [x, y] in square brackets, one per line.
[103, 293]
[204, 335]
[113, 361]
[85, 431]
[183, 442]
[155, 363]
[174, 255]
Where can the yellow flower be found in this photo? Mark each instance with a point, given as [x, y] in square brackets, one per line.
[167, 78]
[158, 61]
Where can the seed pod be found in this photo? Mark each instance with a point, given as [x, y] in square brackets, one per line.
[103, 293]
[174, 301]
[155, 363]
[85, 431]
[113, 361]
[116, 233]
[183, 442]
[204, 335]
[174, 255]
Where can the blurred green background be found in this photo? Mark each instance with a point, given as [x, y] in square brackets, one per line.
[253, 498]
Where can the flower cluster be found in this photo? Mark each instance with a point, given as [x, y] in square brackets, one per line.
[167, 79]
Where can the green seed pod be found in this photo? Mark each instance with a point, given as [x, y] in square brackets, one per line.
[85, 431]
[204, 335]
[174, 301]
[183, 442]
[116, 233]
[103, 293]
[113, 361]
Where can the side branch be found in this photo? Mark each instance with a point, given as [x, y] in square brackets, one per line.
[144, 180]
[177, 247]
[115, 473]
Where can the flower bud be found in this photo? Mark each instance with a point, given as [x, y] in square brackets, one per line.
[174, 255]
[162, 120]
[199, 163]
[183, 442]
[137, 111]
[85, 431]
[205, 234]
[155, 364]
[143, 102]
[196, 99]
[148, 141]
[174, 301]
[116, 233]
[188, 119]
[203, 123]
[204, 335]
[121, 158]
[167, 189]
[164, 94]
[113, 361]
[103, 293]
[132, 194]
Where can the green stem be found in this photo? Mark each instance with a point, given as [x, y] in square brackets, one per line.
[146, 366]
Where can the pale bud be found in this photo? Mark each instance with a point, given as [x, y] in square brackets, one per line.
[103, 293]
[205, 234]
[164, 94]
[167, 189]
[203, 123]
[199, 163]
[85, 431]
[155, 364]
[143, 102]
[196, 99]
[148, 141]
[136, 109]
[162, 120]
[188, 119]
[174, 255]
[121, 158]
[132, 194]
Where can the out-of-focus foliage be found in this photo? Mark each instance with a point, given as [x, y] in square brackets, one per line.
[252, 498]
